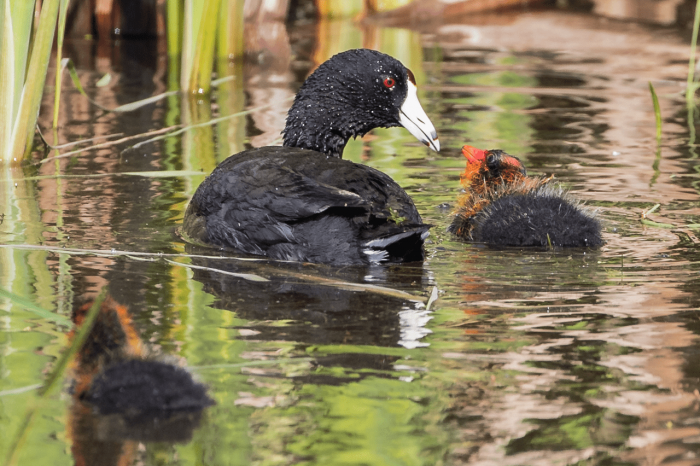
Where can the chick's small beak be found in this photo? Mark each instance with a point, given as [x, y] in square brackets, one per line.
[413, 118]
[473, 154]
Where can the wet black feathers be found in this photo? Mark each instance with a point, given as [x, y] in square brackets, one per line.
[295, 204]
[529, 219]
[345, 97]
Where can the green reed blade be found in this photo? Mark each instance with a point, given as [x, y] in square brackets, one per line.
[433, 297]
[203, 61]
[33, 308]
[230, 31]
[174, 27]
[75, 346]
[192, 14]
[22, 22]
[657, 112]
[690, 85]
[62, 14]
[7, 81]
[68, 63]
[30, 100]
[652, 223]
[104, 80]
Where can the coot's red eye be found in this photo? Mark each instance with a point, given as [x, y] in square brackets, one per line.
[389, 82]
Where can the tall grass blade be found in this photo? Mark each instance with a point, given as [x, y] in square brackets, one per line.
[203, 61]
[28, 112]
[690, 86]
[22, 21]
[7, 81]
[190, 29]
[33, 308]
[174, 27]
[55, 375]
[62, 14]
[657, 112]
[230, 31]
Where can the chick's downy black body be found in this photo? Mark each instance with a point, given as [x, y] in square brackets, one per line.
[542, 217]
[302, 202]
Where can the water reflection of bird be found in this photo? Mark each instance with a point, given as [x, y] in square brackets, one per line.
[302, 202]
[503, 206]
[315, 302]
[122, 394]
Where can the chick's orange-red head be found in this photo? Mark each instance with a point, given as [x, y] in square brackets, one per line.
[490, 168]
[473, 154]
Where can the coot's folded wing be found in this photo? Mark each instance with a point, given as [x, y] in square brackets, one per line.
[253, 206]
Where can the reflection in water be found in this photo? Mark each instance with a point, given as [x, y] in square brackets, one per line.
[120, 398]
[317, 304]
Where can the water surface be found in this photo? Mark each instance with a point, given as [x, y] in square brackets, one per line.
[527, 357]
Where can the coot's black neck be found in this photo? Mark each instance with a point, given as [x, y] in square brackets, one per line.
[323, 123]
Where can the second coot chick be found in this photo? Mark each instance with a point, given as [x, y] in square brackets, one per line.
[302, 202]
[503, 206]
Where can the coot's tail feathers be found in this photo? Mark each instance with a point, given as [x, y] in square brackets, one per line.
[401, 244]
[546, 216]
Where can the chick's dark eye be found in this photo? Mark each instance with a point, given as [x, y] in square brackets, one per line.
[389, 82]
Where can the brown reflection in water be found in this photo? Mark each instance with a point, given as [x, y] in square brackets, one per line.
[640, 398]
[617, 91]
[652, 11]
[665, 12]
[268, 77]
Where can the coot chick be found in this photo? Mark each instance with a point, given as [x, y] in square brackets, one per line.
[302, 201]
[503, 206]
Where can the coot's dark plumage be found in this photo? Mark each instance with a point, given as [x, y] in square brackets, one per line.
[502, 206]
[302, 202]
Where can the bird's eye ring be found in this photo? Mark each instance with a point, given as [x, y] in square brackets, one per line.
[389, 83]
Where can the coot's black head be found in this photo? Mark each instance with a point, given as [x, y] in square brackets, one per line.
[350, 94]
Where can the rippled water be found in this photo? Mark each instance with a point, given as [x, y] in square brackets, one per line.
[527, 357]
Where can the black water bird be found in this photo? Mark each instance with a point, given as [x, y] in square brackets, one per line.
[302, 201]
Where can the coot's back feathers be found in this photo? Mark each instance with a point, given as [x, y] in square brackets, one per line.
[282, 203]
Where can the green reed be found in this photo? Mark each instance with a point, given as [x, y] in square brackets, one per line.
[692, 86]
[54, 377]
[657, 112]
[23, 71]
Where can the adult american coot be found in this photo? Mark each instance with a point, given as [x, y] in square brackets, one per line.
[503, 206]
[302, 201]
